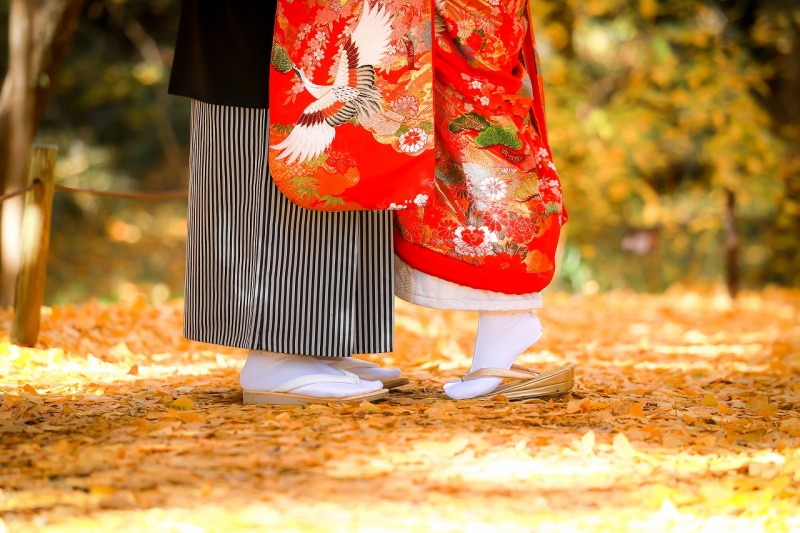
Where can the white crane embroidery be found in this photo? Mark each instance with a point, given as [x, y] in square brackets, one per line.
[353, 91]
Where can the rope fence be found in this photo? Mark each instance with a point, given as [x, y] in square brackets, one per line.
[165, 195]
[35, 236]
[19, 192]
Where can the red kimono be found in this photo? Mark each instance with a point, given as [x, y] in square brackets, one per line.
[477, 195]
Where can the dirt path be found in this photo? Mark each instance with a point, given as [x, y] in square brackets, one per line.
[685, 418]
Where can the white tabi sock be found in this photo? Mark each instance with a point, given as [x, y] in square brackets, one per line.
[502, 337]
[264, 371]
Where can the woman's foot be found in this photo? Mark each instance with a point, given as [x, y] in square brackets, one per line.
[502, 337]
[267, 371]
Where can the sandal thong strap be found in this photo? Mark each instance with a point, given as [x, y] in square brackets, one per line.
[309, 379]
[516, 372]
[347, 363]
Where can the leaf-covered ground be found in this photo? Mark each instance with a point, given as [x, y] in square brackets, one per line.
[685, 418]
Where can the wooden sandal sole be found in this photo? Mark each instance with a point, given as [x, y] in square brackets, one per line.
[555, 389]
[394, 383]
[286, 398]
[551, 383]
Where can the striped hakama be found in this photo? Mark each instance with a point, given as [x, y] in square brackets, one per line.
[264, 274]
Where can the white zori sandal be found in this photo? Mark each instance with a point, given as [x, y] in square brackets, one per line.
[523, 383]
[348, 364]
[281, 395]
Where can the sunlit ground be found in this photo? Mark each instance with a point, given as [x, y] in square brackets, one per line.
[685, 418]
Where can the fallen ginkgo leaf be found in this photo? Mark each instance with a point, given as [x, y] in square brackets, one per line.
[182, 402]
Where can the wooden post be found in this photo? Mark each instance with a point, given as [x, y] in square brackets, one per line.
[731, 244]
[35, 240]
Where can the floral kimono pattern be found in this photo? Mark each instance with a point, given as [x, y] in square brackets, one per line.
[492, 216]
[351, 102]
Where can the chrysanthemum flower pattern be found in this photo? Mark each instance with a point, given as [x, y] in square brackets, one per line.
[493, 189]
[407, 105]
[413, 140]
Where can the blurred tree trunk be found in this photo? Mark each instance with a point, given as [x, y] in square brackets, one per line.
[784, 105]
[731, 244]
[40, 32]
[16, 133]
